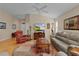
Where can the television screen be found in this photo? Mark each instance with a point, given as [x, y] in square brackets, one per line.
[39, 26]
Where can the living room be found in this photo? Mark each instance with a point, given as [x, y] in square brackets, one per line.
[39, 28]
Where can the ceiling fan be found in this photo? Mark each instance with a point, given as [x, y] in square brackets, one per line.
[40, 8]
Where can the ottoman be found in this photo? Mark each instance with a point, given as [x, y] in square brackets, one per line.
[25, 49]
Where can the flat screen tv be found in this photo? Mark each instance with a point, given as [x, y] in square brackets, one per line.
[39, 26]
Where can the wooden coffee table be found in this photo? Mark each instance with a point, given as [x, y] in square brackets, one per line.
[43, 48]
[74, 51]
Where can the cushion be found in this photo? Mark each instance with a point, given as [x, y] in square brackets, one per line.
[74, 37]
[63, 34]
[73, 42]
[63, 39]
[63, 46]
[68, 41]
[66, 35]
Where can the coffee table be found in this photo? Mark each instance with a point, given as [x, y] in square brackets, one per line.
[43, 48]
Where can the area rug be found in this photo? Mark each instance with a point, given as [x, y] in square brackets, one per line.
[28, 49]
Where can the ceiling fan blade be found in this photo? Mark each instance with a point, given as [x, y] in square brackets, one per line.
[36, 8]
[44, 11]
[45, 6]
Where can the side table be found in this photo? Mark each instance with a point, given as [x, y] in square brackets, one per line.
[73, 51]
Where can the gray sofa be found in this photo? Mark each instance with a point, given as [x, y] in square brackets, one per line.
[63, 40]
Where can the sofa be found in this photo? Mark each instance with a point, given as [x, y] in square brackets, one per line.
[63, 40]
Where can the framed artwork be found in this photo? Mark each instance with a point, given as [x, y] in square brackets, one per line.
[13, 26]
[2, 25]
[71, 23]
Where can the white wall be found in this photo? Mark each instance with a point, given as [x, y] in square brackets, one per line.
[70, 13]
[9, 20]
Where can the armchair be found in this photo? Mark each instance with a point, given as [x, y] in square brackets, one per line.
[20, 38]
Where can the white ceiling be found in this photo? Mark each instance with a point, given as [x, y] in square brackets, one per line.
[53, 9]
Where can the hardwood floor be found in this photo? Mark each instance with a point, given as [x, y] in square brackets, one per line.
[10, 44]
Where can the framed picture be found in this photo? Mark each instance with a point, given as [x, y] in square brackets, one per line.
[2, 25]
[71, 23]
[13, 26]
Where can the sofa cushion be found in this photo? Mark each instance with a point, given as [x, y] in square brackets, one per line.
[74, 37]
[73, 42]
[69, 36]
[59, 33]
[63, 34]
[61, 45]
[66, 35]
[65, 40]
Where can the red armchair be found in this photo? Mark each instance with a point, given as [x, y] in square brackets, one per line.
[20, 38]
